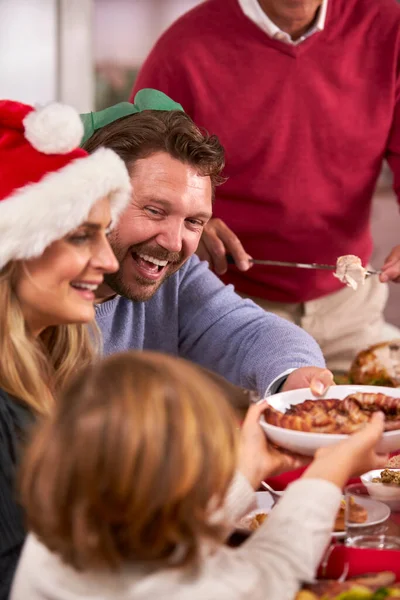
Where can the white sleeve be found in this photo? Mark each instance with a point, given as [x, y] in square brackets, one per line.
[285, 551]
[240, 499]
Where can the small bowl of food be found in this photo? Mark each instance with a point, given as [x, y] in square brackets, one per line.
[384, 485]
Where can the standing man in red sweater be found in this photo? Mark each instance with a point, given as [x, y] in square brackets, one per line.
[305, 97]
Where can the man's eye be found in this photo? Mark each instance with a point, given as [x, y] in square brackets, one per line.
[153, 211]
[195, 222]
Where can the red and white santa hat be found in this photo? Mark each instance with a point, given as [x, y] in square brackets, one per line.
[48, 184]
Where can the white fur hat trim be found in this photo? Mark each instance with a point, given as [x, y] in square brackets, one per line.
[54, 129]
[40, 213]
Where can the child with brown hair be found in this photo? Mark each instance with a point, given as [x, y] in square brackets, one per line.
[129, 489]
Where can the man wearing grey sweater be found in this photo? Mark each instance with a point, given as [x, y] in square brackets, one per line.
[163, 297]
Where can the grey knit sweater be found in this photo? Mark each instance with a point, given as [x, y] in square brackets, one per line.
[196, 316]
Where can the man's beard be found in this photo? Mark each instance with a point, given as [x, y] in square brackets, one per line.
[140, 289]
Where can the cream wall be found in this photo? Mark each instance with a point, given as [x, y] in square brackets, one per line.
[46, 51]
[28, 43]
[125, 30]
[48, 48]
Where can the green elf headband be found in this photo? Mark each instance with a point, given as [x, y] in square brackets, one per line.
[146, 99]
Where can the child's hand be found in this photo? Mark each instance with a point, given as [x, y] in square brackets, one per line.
[352, 457]
[257, 458]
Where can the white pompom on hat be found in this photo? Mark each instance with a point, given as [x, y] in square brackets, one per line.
[54, 129]
[48, 184]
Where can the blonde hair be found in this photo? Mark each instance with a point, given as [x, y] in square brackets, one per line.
[35, 370]
[125, 468]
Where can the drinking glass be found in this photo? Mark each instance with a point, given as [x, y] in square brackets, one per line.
[367, 520]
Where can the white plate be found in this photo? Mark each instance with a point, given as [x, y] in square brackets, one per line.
[307, 443]
[389, 494]
[378, 512]
[265, 502]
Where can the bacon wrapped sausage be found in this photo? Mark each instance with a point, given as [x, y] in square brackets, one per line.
[336, 416]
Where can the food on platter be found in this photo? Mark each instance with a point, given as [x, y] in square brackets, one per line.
[336, 416]
[350, 271]
[358, 514]
[377, 365]
[394, 462]
[388, 477]
[369, 587]
[257, 520]
[307, 434]
[253, 520]
[259, 512]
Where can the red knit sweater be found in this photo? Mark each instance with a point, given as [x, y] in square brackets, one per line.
[305, 130]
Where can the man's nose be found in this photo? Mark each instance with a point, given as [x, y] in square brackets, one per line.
[170, 237]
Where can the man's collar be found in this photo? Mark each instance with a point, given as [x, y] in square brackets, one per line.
[255, 13]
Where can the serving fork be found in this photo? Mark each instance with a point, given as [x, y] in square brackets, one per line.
[297, 265]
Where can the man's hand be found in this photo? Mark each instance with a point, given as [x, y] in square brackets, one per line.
[257, 458]
[391, 268]
[216, 242]
[315, 378]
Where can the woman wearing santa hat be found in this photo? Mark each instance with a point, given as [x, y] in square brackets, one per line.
[57, 205]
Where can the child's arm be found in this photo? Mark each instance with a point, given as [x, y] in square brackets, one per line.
[240, 499]
[286, 550]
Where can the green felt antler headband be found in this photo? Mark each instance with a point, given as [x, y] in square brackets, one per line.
[146, 99]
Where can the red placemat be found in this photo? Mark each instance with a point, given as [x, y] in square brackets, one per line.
[359, 561]
[280, 482]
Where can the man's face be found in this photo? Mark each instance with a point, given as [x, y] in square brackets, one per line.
[162, 226]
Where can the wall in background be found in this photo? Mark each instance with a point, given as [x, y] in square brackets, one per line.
[124, 31]
[28, 43]
[75, 49]
[46, 51]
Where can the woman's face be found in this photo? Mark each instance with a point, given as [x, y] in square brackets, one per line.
[59, 286]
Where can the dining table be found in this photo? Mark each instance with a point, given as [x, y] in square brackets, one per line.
[339, 559]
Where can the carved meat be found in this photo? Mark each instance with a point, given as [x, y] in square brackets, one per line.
[336, 416]
[357, 514]
[350, 271]
[378, 365]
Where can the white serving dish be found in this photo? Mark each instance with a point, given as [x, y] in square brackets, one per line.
[389, 494]
[306, 443]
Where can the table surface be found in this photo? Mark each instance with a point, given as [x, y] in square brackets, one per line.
[389, 527]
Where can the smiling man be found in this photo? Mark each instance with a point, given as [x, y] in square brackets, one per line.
[163, 297]
[162, 227]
